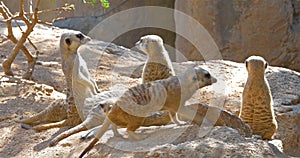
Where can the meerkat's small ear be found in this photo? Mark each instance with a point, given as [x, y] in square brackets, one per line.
[68, 41]
[246, 62]
[266, 65]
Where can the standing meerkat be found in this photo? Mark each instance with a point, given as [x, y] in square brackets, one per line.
[257, 103]
[170, 94]
[158, 64]
[69, 44]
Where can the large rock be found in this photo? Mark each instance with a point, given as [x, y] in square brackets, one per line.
[285, 87]
[243, 28]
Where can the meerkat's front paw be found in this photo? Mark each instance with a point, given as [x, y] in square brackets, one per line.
[135, 136]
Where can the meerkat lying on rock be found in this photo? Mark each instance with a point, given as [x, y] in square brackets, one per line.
[170, 94]
[257, 103]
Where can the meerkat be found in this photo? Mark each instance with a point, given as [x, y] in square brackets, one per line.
[158, 64]
[257, 103]
[170, 94]
[81, 86]
[69, 44]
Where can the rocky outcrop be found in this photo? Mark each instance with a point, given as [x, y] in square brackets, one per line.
[183, 141]
[244, 28]
[285, 87]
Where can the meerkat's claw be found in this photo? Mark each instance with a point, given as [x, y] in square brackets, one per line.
[25, 126]
[89, 134]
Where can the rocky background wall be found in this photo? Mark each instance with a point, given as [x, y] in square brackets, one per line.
[268, 28]
[85, 17]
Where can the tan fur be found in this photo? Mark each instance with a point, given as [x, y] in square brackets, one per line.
[178, 90]
[158, 64]
[68, 115]
[257, 104]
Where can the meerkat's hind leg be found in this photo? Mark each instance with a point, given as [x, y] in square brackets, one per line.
[50, 125]
[65, 134]
[28, 121]
[90, 133]
[98, 135]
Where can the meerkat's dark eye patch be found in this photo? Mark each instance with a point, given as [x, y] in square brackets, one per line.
[207, 74]
[246, 62]
[68, 41]
[266, 65]
[80, 36]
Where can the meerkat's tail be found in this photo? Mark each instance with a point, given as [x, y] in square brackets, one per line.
[87, 149]
[157, 119]
[233, 121]
[98, 135]
[225, 118]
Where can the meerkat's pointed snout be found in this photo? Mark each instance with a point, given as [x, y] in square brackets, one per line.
[203, 77]
[213, 80]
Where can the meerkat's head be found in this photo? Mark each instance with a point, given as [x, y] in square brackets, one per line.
[256, 64]
[71, 40]
[199, 76]
[150, 43]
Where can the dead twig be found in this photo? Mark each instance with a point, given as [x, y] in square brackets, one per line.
[20, 43]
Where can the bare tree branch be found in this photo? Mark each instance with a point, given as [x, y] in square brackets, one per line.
[30, 19]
